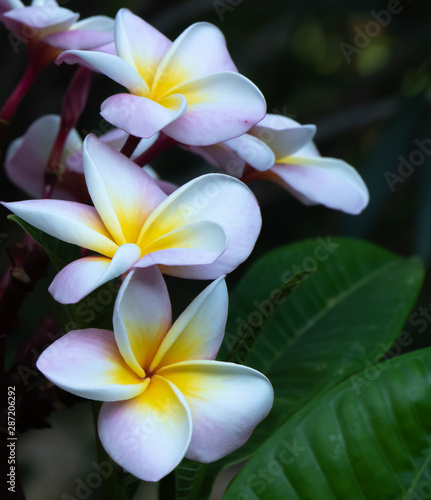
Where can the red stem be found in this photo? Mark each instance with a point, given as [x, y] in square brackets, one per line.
[10, 106]
[162, 144]
[54, 162]
[74, 102]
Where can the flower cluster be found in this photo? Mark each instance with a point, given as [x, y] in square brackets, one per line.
[159, 381]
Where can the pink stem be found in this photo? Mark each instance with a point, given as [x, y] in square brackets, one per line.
[10, 106]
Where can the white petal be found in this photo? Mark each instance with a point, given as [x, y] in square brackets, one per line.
[142, 316]
[95, 23]
[123, 201]
[148, 435]
[88, 363]
[199, 330]
[253, 151]
[283, 135]
[68, 221]
[227, 401]
[81, 277]
[219, 107]
[112, 66]
[328, 181]
[125, 111]
[138, 43]
[199, 51]
[215, 198]
[198, 243]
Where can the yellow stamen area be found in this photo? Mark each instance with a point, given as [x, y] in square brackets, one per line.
[160, 400]
[124, 376]
[162, 84]
[188, 382]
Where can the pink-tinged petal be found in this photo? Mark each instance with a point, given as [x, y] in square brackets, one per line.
[328, 181]
[68, 221]
[199, 330]
[138, 43]
[184, 257]
[124, 201]
[81, 277]
[127, 111]
[283, 135]
[43, 19]
[219, 107]
[147, 435]
[37, 144]
[27, 157]
[88, 363]
[227, 401]
[109, 48]
[167, 187]
[220, 155]
[253, 151]
[142, 316]
[198, 52]
[78, 39]
[112, 66]
[103, 24]
[217, 198]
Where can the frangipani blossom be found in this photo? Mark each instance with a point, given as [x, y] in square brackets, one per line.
[282, 150]
[190, 88]
[57, 27]
[164, 395]
[203, 230]
[36, 144]
[47, 29]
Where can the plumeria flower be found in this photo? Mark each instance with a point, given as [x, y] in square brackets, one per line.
[203, 230]
[37, 144]
[281, 150]
[57, 27]
[47, 29]
[189, 89]
[164, 395]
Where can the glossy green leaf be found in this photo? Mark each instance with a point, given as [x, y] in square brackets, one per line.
[253, 328]
[346, 316]
[339, 321]
[369, 438]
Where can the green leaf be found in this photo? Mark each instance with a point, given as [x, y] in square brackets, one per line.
[93, 311]
[360, 295]
[188, 478]
[254, 327]
[337, 323]
[369, 438]
[58, 251]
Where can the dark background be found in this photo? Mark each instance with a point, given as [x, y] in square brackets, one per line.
[369, 95]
